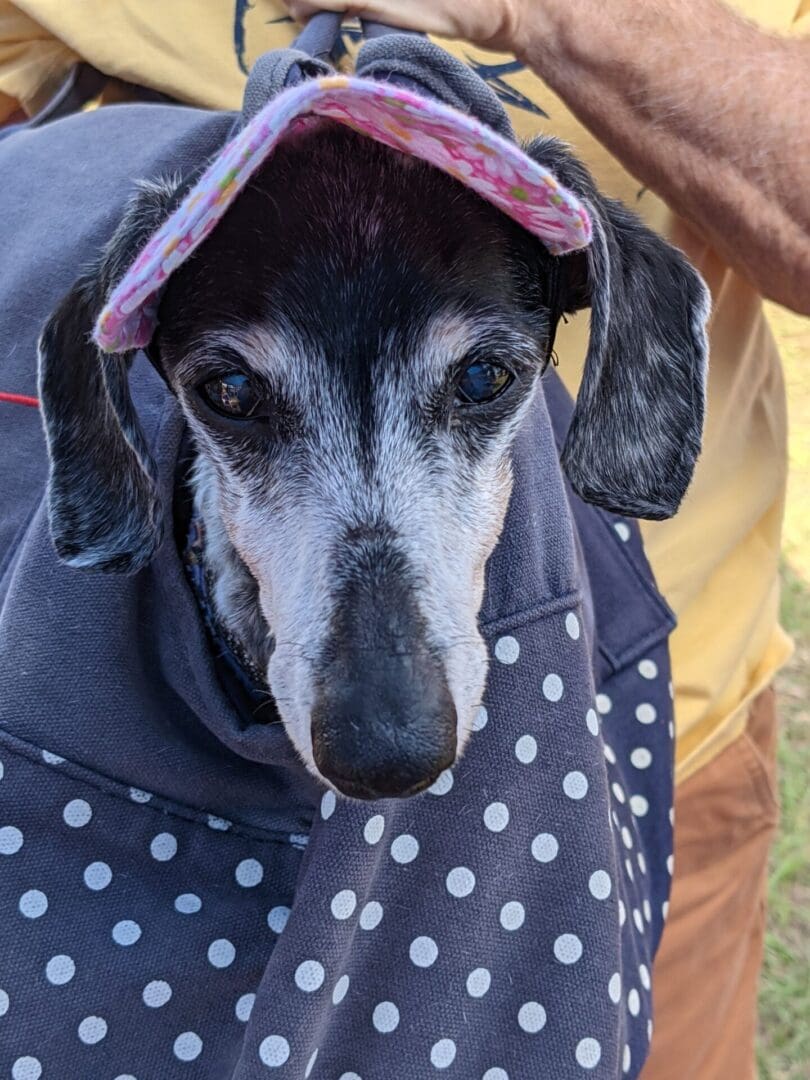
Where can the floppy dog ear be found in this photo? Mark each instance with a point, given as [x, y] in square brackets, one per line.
[636, 430]
[103, 502]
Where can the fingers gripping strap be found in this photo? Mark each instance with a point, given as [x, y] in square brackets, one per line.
[460, 145]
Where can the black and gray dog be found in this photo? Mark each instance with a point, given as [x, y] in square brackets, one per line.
[354, 348]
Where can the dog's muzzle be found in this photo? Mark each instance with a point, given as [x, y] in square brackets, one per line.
[384, 721]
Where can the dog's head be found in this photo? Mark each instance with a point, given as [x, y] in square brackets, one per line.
[354, 348]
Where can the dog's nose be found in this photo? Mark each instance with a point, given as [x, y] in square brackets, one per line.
[384, 721]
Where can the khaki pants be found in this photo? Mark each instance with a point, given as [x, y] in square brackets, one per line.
[707, 969]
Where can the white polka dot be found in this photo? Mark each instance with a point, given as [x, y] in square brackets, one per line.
[310, 1064]
[423, 952]
[77, 813]
[600, 885]
[126, 932]
[637, 919]
[641, 758]
[671, 864]
[575, 785]
[164, 847]
[649, 1030]
[633, 1002]
[642, 862]
[507, 650]
[532, 1017]
[460, 881]
[442, 1054]
[328, 803]
[374, 828]
[568, 948]
[139, 796]
[618, 792]
[218, 824]
[188, 903]
[480, 718]
[370, 915]
[495, 1074]
[639, 805]
[349, 1076]
[671, 729]
[11, 840]
[588, 1053]
[496, 816]
[545, 847]
[628, 867]
[478, 982]
[4, 1000]
[26, 1068]
[645, 713]
[526, 749]
[340, 990]
[97, 876]
[645, 907]
[622, 913]
[627, 838]
[92, 1030]
[592, 721]
[385, 1017]
[188, 1046]
[626, 1059]
[244, 1007]
[60, 970]
[644, 975]
[221, 953]
[274, 1050]
[52, 759]
[648, 669]
[603, 704]
[309, 976]
[277, 918]
[343, 904]
[615, 988]
[672, 815]
[249, 873]
[552, 687]
[125, 1076]
[156, 993]
[609, 754]
[622, 530]
[512, 915]
[33, 904]
[442, 784]
[665, 910]
[404, 849]
[572, 625]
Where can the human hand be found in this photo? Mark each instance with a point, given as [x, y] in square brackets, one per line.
[493, 24]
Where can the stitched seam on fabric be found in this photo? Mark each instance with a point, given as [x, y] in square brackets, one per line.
[117, 789]
[543, 608]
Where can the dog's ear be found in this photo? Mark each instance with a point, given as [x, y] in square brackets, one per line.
[103, 501]
[636, 430]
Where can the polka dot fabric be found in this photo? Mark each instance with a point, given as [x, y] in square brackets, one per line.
[189, 960]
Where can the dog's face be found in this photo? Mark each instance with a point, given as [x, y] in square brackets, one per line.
[354, 347]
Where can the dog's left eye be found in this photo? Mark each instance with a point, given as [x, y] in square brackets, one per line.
[232, 394]
[481, 382]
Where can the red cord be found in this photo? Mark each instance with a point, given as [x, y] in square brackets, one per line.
[19, 399]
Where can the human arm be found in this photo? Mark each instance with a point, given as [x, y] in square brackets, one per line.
[708, 110]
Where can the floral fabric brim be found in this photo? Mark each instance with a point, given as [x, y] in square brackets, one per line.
[496, 169]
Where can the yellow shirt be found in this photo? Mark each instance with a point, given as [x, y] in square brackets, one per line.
[717, 560]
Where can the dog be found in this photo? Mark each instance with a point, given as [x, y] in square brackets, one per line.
[354, 349]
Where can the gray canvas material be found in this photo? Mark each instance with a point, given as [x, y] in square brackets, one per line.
[182, 899]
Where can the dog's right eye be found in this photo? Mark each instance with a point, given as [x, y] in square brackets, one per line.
[232, 394]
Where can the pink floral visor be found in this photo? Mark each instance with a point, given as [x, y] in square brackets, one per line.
[496, 169]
